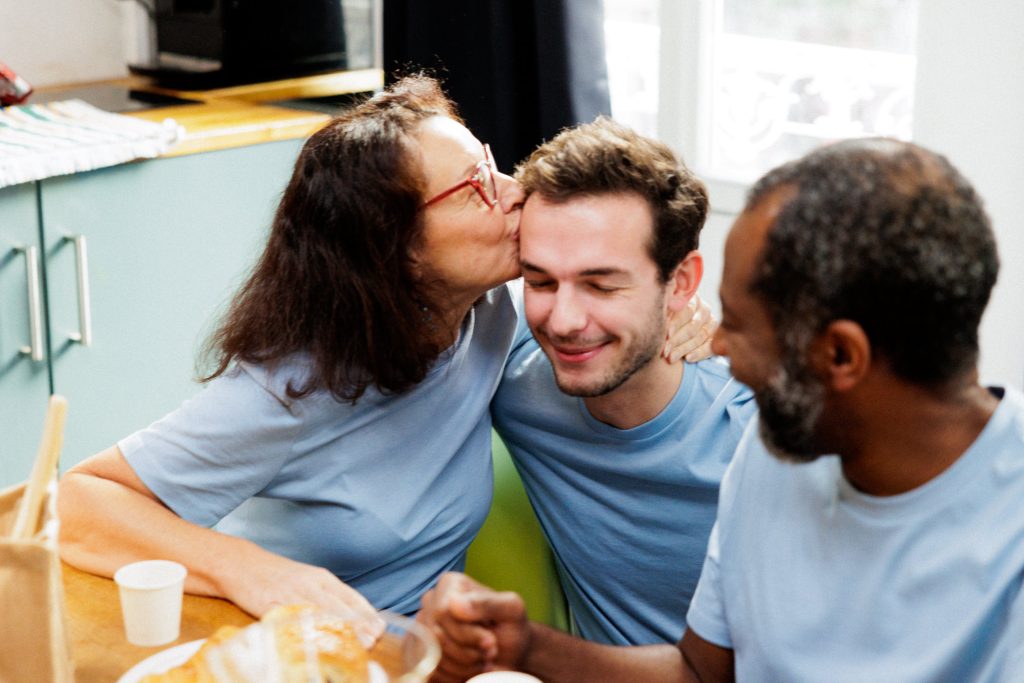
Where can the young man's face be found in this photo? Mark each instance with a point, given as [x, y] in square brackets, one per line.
[593, 297]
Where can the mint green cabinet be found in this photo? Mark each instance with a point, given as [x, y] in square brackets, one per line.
[163, 245]
[24, 371]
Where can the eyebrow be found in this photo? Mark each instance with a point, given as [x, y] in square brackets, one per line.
[589, 272]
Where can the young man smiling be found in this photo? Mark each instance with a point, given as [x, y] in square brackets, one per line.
[620, 451]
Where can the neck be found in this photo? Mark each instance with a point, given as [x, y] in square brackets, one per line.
[641, 397]
[906, 435]
[453, 310]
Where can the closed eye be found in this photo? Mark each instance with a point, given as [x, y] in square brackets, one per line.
[603, 289]
[539, 284]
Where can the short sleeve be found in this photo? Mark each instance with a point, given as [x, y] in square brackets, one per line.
[706, 615]
[217, 449]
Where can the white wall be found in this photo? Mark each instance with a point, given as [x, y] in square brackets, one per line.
[970, 106]
[50, 42]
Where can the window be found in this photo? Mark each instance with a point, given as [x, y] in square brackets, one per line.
[632, 35]
[748, 84]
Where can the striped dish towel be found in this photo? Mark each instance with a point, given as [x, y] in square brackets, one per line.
[42, 140]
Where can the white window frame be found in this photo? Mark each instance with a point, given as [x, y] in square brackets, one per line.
[968, 105]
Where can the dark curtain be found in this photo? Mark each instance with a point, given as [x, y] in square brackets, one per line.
[519, 70]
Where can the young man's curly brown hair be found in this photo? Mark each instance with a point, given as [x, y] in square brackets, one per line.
[605, 157]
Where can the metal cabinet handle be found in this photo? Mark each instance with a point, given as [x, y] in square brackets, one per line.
[84, 334]
[34, 350]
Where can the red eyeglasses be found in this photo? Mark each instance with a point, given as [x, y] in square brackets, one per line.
[482, 181]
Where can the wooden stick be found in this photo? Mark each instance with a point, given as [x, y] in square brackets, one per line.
[43, 469]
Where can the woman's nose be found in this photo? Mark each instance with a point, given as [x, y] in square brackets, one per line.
[510, 192]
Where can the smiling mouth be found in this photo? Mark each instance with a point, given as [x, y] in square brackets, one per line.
[570, 354]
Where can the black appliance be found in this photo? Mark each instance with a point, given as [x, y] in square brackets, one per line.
[214, 43]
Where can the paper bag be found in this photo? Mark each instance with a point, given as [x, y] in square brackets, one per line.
[34, 637]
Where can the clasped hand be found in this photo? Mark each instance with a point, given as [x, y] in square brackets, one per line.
[479, 629]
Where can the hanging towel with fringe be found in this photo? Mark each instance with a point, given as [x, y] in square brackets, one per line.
[42, 140]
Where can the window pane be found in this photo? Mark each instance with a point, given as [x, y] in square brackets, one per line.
[788, 75]
[631, 46]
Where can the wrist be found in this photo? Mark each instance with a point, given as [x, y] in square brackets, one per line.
[531, 660]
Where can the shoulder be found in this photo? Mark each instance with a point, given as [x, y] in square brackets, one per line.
[497, 314]
[756, 480]
[274, 379]
[1004, 434]
[715, 382]
[715, 375]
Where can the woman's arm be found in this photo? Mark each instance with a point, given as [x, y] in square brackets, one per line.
[109, 518]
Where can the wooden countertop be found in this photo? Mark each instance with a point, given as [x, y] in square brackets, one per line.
[98, 646]
[245, 115]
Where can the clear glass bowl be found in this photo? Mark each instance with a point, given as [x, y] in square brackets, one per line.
[317, 647]
[407, 652]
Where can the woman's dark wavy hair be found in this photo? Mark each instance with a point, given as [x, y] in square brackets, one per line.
[889, 235]
[336, 280]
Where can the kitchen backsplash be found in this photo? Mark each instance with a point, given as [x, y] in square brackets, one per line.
[50, 42]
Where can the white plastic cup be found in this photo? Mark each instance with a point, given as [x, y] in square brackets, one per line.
[151, 594]
[504, 677]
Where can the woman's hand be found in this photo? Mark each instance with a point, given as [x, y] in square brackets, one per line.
[110, 518]
[271, 580]
[689, 333]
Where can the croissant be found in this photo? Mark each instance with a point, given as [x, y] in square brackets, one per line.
[290, 644]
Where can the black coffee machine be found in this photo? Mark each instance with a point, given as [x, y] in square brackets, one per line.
[215, 43]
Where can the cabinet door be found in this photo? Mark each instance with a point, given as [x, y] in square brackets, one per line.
[24, 381]
[166, 244]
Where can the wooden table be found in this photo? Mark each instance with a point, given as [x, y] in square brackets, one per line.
[99, 648]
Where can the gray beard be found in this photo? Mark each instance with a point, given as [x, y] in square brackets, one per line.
[790, 406]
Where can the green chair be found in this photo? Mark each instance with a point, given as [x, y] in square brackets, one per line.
[511, 553]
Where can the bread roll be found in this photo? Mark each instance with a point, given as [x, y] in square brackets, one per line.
[290, 644]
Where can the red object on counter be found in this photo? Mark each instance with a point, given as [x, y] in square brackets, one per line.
[13, 88]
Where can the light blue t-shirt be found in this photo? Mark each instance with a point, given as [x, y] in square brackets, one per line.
[375, 492]
[626, 511]
[808, 579]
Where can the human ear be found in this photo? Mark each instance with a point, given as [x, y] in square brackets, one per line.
[684, 280]
[842, 355]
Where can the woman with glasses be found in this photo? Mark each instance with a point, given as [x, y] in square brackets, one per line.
[342, 441]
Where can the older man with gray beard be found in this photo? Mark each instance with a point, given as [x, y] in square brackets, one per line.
[885, 541]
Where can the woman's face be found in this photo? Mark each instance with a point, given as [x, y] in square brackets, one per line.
[467, 245]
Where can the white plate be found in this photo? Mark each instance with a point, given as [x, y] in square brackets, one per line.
[161, 661]
[175, 656]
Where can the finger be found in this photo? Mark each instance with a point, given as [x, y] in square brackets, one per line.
[467, 633]
[464, 656]
[348, 602]
[488, 606]
[685, 340]
[700, 353]
[681, 317]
